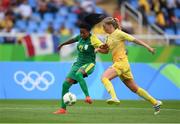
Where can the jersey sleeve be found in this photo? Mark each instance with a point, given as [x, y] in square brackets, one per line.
[95, 41]
[126, 36]
[77, 38]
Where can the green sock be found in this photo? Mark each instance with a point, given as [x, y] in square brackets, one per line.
[65, 89]
[82, 83]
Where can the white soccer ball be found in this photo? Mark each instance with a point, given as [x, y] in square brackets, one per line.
[69, 99]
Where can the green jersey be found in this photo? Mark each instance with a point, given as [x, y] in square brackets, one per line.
[86, 49]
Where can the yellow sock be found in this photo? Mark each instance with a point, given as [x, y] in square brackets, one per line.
[109, 87]
[141, 92]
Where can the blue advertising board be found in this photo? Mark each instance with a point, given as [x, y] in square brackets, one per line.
[43, 80]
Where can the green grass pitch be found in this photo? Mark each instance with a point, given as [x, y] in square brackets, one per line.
[40, 111]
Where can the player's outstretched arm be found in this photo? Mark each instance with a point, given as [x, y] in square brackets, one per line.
[66, 43]
[142, 43]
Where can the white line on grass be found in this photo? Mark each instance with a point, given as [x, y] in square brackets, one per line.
[76, 107]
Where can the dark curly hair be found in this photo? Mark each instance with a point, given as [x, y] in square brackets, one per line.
[90, 20]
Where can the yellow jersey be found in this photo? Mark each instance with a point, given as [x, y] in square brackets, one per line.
[116, 44]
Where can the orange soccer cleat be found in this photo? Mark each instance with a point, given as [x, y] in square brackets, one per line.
[60, 111]
[88, 100]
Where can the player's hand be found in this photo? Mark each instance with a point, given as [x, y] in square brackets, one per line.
[104, 46]
[59, 47]
[96, 50]
[100, 50]
[152, 50]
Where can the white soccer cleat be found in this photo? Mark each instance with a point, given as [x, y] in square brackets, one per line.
[157, 107]
[113, 101]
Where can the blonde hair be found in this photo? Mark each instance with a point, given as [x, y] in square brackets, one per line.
[112, 21]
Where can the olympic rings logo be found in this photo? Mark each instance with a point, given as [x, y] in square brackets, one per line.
[33, 80]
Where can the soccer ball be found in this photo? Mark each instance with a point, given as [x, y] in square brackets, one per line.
[69, 99]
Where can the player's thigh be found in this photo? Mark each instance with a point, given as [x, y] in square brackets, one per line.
[128, 79]
[113, 71]
[72, 73]
[110, 73]
[87, 69]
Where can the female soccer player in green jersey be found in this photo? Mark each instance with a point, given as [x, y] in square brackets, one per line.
[85, 63]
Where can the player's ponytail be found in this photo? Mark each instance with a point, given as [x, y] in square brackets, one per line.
[90, 20]
[117, 23]
[113, 21]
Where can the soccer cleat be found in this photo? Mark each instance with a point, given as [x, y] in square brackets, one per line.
[60, 111]
[88, 100]
[157, 107]
[113, 101]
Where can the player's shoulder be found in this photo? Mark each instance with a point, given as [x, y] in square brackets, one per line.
[118, 32]
[77, 37]
[121, 34]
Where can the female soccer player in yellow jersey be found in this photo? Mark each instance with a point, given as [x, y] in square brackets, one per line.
[121, 68]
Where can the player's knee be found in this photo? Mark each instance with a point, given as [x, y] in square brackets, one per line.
[102, 79]
[133, 89]
[70, 81]
[103, 76]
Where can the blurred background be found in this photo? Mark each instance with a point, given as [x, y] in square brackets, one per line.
[30, 31]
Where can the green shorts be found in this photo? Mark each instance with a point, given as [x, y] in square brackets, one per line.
[88, 68]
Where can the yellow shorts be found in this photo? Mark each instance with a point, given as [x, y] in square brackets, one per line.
[122, 68]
